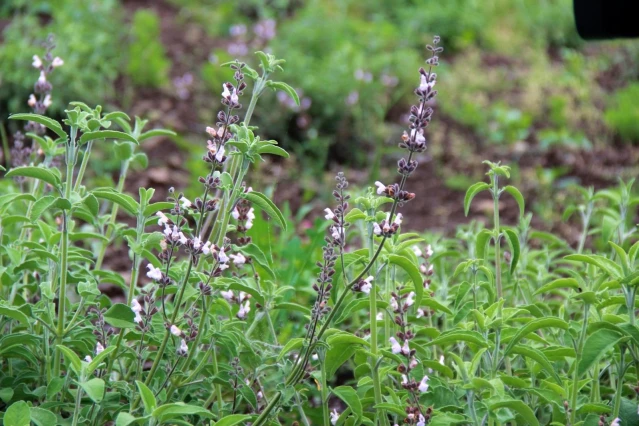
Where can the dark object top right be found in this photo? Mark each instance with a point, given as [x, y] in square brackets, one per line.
[606, 19]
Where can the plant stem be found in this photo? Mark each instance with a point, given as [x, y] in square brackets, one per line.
[377, 388]
[83, 166]
[78, 403]
[167, 333]
[498, 285]
[621, 370]
[575, 375]
[325, 411]
[64, 252]
[114, 213]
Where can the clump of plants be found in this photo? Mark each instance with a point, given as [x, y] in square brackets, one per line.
[147, 63]
[500, 325]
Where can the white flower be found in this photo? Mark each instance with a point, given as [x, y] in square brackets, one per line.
[184, 349]
[419, 137]
[422, 421]
[329, 214]
[441, 360]
[395, 347]
[183, 240]
[235, 214]
[225, 91]
[228, 295]
[197, 243]
[380, 316]
[57, 62]
[163, 220]
[244, 310]
[380, 187]
[154, 273]
[404, 379]
[260, 395]
[99, 348]
[47, 101]
[206, 248]
[136, 308]
[417, 251]
[409, 300]
[220, 154]
[429, 251]
[424, 84]
[413, 363]
[420, 313]
[88, 358]
[616, 422]
[336, 232]
[222, 257]
[186, 203]
[238, 259]
[175, 330]
[43, 78]
[223, 267]
[37, 62]
[398, 219]
[423, 385]
[334, 416]
[393, 303]
[32, 100]
[376, 229]
[406, 348]
[367, 286]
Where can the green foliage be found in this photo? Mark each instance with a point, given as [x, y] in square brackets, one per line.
[147, 63]
[86, 41]
[622, 115]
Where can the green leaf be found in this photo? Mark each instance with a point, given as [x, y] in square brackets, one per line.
[40, 173]
[152, 209]
[599, 261]
[520, 407]
[400, 410]
[95, 389]
[14, 313]
[278, 85]
[481, 243]
[538, 356]
[412, 271]
[272, 149]
[349, 338]
[125, 201]
[457, 336]
[125, 419]
[263, 202]
[148, 399]
[120, 316]
[47, 122]
[513, 241]
[337, 355]
[471, 192]
[71, 358]
[559, 283]
[595, 347]
[97, 360]
[106, 134]
[292, 344]
[354, 214]
[18, 414]
[435, 305]
[533, 326]
[518, 197]
[233, 419]
[179, 409]
[42, 417]
[156, 132]
[350, 397]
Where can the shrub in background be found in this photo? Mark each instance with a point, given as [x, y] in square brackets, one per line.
[147, 64]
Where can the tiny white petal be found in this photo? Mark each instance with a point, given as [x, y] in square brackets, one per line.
[99, 348]
[235, 214]
[380, 187]
[395, 346]
[175, 330]
[329, 214]
[57, 62]
[423, 385]
[37, 62]
[334, 417]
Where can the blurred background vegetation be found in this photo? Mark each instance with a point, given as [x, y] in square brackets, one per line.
[517, 84]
